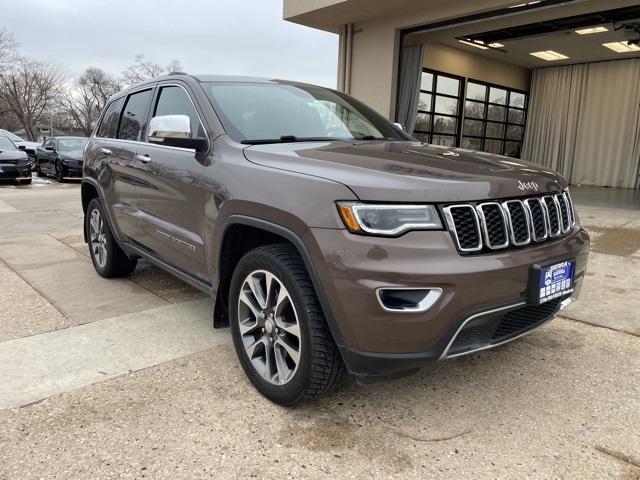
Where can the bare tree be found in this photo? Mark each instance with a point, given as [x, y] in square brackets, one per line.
[28, 90]
[83, 101]
[173, 66]
[143, 69]
[8, 49]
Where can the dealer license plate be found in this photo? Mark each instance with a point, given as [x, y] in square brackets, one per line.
[555, 280]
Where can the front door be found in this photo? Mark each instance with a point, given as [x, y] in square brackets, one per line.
[170, 193]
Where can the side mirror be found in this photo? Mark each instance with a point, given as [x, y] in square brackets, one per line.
[399, 126]
[22, 147]
[174, 131]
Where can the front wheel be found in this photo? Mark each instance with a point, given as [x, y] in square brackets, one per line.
[59, 172]
[39, 171]
[279, 332]
[108, 258]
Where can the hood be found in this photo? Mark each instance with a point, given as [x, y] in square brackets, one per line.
[75, 155]
[410, 171]
[12, 155]
[29, 145]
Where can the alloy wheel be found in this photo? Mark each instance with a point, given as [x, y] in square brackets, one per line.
[269, 327]
[98, 238]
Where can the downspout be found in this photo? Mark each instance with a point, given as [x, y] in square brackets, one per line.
[342, 42]
[348, 58]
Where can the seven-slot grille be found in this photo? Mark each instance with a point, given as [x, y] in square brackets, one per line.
[498, 225]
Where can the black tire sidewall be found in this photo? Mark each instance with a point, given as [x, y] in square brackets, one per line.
[291, 392]
[59, 172]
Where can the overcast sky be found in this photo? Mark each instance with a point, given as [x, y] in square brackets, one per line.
[238, 37]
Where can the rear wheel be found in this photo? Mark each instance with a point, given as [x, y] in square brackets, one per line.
[108, 258]
[279, 332]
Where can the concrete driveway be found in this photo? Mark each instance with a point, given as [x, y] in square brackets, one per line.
[126, 379]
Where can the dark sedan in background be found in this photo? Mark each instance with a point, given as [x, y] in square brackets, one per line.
[61, 157]
[14, 163]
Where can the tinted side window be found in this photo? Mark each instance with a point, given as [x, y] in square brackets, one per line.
[174, 101]
[134, 116]
[109, 126]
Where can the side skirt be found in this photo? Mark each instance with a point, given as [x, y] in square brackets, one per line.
[201, 285]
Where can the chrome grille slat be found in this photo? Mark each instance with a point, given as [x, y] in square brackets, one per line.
[493, 225]
[519, 227]
[537, 214]
[486, 226]
[464, 238]
[571, 210]
[553, 215]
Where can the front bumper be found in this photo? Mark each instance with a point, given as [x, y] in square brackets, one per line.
[72, 169]
[376, 343]
[15, 172]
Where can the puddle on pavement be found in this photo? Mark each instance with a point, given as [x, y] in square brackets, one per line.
[615, 241]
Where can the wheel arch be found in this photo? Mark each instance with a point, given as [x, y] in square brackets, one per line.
[90, 189]
[236, 227]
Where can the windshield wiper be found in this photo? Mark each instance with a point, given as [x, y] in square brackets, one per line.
[289, 139]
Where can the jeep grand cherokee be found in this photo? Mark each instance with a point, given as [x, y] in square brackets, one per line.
[329, 239]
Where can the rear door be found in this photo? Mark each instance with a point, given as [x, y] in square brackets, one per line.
[170, 194]
[122, 128]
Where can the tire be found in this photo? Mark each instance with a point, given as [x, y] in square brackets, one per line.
[319, 367]
[39, 172]
[106, 255]
[59, 172]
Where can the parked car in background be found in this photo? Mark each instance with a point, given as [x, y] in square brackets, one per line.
[61, 157]
[328, 238]
[14, 163]
[22, 144]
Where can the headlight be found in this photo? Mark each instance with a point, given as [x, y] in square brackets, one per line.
[388, 219]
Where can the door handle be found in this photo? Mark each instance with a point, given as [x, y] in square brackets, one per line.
[143, 158]
[106, 151]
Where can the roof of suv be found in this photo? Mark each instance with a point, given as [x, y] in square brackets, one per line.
[209, 78]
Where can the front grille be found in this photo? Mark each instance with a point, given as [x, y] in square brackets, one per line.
[512, 223]
[492, 329]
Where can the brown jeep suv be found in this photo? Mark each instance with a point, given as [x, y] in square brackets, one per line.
[329, 239]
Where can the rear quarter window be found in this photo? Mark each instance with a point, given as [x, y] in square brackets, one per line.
[109, 126]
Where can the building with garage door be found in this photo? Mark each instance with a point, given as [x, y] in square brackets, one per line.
[554, 82]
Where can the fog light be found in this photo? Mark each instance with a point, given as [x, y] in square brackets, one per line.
[408, 299]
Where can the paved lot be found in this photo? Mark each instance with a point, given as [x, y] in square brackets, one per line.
[126, 379]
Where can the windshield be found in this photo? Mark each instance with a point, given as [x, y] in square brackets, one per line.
[10, 136]
[271, 112]
[71, 144]
[6, 144]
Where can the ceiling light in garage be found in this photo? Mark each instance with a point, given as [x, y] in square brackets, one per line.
[474, 44]
[496, 45]
[622, 47]
[588, 31]
[549, 55]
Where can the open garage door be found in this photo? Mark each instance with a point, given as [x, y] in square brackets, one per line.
[584, 121]
[559, 87]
